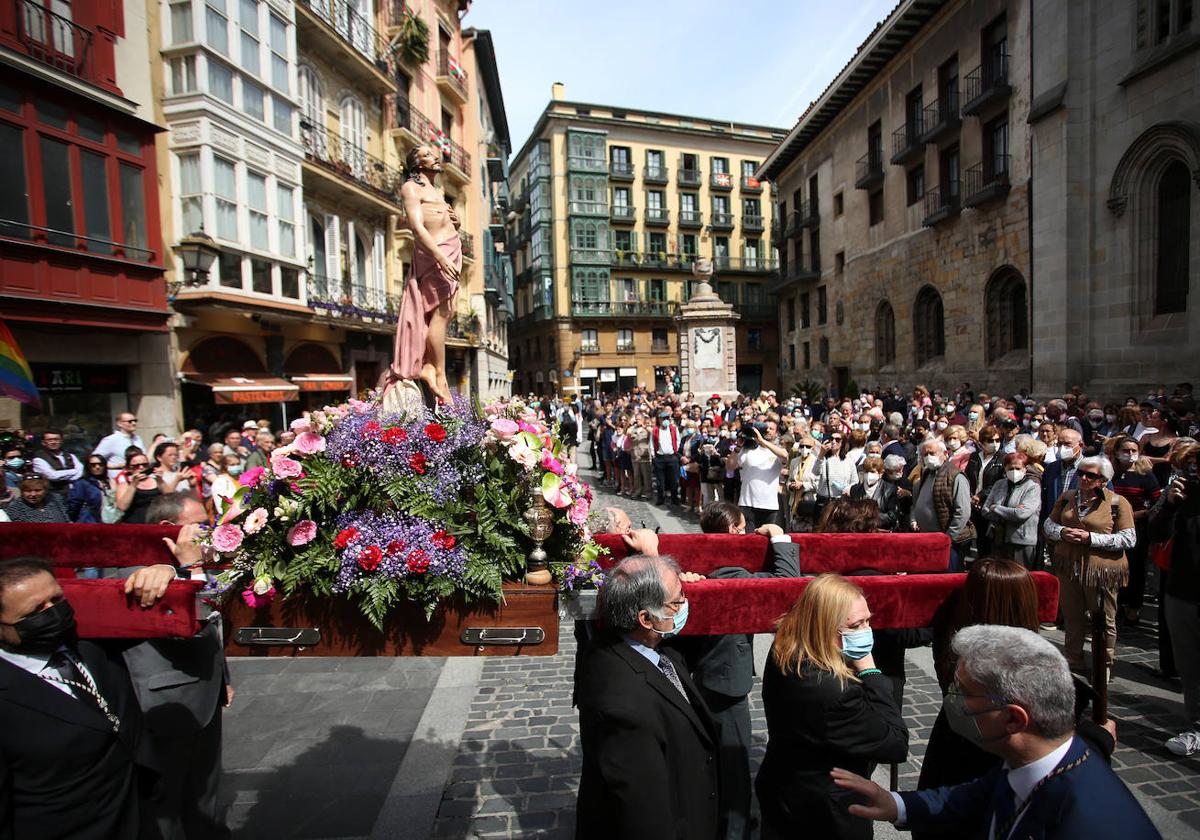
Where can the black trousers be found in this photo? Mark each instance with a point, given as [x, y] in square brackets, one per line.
[666, 474]
[191, 772]
[733, 723]
[756, 517]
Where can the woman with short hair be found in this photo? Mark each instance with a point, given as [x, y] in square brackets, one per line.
[827, 706]
[1012, 509]
[1091, 528]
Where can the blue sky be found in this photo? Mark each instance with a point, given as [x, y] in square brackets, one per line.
[757, 61]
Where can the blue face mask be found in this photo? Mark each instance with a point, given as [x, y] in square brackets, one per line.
[678, 621]
[235, 470]
[818, 435]
[858, 644]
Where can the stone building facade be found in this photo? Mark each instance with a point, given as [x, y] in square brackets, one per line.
[1116, 200]
[1003, 193]
[904, 250]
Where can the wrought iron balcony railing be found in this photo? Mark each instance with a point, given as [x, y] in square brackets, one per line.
[55, 40]
[906, 141]
[690, 177]
[722, 221]
[655, 174]
[940, 117]
[349, 161]
[987, 180]
[986, 83]
[448, 67]
[621, 170]
[624, 213]
[868, 169]
[940, 204]
[691, 218]
[752, 223]
[340, 298]
[650, 308]
[353, 28]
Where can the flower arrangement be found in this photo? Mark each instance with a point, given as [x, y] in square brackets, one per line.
[380, 507]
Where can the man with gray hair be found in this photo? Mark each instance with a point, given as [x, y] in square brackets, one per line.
[1013, 697]
[942, 501]
[650, 755]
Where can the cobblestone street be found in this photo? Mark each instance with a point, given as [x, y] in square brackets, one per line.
[374, 748]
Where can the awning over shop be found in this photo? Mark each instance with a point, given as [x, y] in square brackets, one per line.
[242, 390]
[323, 381]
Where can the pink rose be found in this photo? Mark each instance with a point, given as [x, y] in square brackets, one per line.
[503, 428]
[227, 538]
[577, 513]
[494, 409]
[255, 521]
[286, 468]
[301, 425]
[302, 533]
[250, 477]
[523, 455]
[309, 443]
[253, 599]
[359, 406]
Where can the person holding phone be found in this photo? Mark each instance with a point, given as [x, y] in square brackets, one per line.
[137, 487]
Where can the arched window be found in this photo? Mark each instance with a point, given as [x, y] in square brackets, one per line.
[885, 335]
[1174, 207]
[929, 330]
[1007, 321]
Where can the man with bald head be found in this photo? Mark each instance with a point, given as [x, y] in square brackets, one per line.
[650, 754]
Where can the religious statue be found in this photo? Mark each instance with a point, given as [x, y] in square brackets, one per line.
[428, 300]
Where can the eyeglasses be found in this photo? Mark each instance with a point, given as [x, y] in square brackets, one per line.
[676, 605]
[129, 420]
[96, 464]
[997, 702]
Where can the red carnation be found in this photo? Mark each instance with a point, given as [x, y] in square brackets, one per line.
[445, 540]
[436, 432]
[417, 462]
[395, 546]
[344, 537]
[395, 435]
[369, 558]
[371, 429]
[418, 561]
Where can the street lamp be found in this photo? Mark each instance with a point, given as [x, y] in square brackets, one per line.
[197, 250]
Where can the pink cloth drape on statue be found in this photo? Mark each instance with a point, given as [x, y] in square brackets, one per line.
[425, 290]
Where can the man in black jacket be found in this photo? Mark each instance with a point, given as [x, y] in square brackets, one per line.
[723, 668]
[649, 740]
[69, 724]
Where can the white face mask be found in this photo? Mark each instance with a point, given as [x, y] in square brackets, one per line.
[942, 424]
[953, 444]
[805, 451]
[1127, 457]
[871, 479]
[1066, 452]
[991, 447]
[1110, 418]
[1014, 475]
[932, 462]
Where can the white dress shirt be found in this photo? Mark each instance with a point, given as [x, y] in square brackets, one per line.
[38, 664]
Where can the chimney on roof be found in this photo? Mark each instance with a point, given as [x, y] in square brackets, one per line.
[558, 91]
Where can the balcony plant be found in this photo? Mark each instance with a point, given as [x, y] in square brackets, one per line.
[412, 42]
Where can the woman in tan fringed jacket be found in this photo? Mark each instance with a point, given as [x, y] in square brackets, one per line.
[1090, 528]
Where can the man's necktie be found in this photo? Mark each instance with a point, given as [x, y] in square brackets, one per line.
[668, 670]
[81, 684]
[1006, 809]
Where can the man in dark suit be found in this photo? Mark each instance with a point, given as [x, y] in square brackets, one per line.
[182, 686]
[723, 668]
[649, 740]
[69, 723]
[1013, 697]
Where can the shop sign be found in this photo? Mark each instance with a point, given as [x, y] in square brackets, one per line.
[58, 379]
[608, 375]
[241, 397]
[628, 371]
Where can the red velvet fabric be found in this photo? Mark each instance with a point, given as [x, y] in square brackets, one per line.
[754, 605]
[102, 610]
[842, 553]
[88, 545]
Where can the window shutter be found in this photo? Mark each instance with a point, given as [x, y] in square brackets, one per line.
[377, 254]
[333, 251]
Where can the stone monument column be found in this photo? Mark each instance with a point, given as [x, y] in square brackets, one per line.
[707, 341]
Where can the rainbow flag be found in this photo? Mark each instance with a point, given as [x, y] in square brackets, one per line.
[16, 379]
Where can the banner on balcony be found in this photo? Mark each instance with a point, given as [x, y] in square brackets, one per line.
[722, 179]
[16, 379]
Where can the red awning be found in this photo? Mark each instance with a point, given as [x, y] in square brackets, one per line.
[323, 381]
[240, 390]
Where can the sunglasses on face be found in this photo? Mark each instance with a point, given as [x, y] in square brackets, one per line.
[1093, 476]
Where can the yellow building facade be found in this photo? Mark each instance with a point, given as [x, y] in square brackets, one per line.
[612, 207]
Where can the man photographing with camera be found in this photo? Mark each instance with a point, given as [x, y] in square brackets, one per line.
[761, 462]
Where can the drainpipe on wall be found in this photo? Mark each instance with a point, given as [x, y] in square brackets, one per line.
[1029, 309]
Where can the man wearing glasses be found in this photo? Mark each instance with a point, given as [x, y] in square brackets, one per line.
[112, 447]
[650, 745]
[1013, 697]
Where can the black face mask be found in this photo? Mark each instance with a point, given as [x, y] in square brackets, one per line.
[46, 631]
